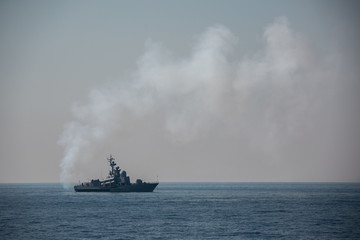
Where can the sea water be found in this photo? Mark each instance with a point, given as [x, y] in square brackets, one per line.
[183, 211]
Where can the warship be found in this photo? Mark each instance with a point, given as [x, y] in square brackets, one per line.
[117, 181]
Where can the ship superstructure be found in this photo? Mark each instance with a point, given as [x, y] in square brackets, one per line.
[117, 181]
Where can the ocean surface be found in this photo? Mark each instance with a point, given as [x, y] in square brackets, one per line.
[183, 211]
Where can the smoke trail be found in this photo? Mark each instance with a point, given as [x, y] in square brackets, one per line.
[264, 100]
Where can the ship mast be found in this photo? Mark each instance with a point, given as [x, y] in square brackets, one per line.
[112, 164]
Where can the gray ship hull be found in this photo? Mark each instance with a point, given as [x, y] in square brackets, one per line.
[143, 187]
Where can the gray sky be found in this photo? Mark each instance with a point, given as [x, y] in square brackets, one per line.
[182, 90]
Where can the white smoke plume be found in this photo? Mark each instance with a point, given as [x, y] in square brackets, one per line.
[273, 105]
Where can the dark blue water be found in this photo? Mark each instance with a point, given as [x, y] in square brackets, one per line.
[183, 211]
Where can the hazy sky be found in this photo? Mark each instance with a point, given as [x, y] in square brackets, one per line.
[182, 90]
